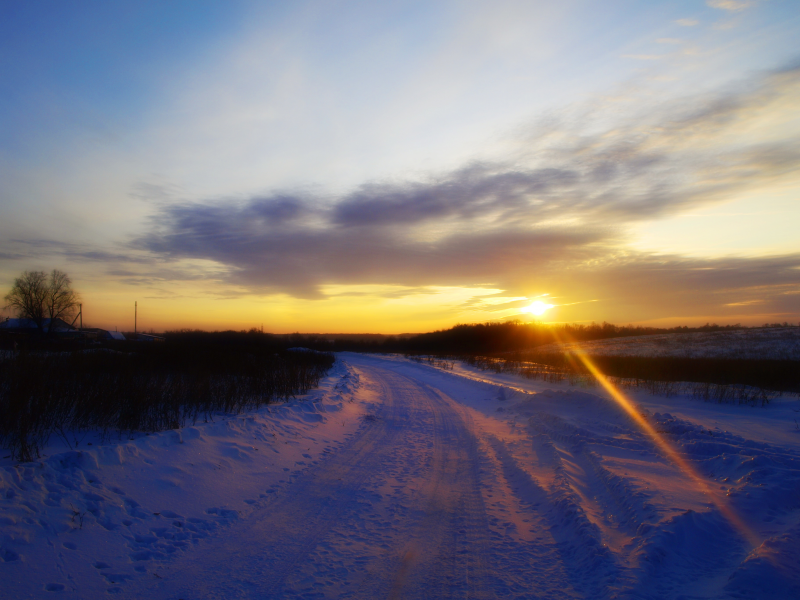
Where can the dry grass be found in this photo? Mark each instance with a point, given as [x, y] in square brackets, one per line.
[741, 381]
[142, 387]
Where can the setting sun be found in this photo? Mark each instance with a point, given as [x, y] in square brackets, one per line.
[537, 308]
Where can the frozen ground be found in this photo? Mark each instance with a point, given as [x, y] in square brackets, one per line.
[768, 342]
[398, 480]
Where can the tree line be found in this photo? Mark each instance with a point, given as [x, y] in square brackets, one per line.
[43, 298]
[489, 338]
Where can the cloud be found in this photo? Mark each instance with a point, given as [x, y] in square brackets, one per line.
[149, 191]
[12, 255]
[470, 192]
[39, 248]
[644, 56]
[554, 213]
[638, 286]
[301, 259]
[731, 5]
[724, 25]
[745, 303]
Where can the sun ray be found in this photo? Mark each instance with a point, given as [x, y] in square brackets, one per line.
[661, 442]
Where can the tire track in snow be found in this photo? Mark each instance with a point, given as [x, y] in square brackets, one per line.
[301, 543]
[259, 554]
[592, 566]
[620, 502]
[528, 550]
[446, 552]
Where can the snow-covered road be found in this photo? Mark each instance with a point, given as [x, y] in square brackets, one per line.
[406, 481]
[397, 512]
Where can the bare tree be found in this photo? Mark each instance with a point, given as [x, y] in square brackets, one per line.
[38, 297]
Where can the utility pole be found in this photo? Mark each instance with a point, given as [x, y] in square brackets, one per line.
[135, 315]
[80, 314]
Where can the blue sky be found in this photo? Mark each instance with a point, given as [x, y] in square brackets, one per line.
[404, 166]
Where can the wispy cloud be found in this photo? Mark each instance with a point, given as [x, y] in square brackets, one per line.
[731, 5]
[35, 248]
[558, 210]
[644, 56]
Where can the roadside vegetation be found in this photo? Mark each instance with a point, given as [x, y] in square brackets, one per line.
[532, 350]
[489, 338]
[64, 388]
[55, 386]
[722, 380]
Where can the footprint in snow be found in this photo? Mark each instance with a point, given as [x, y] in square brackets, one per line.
[117, 577]
[225, 513]
[8, 555]
[170, 515]
[143, 555]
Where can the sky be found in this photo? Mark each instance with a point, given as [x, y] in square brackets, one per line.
[352, 166]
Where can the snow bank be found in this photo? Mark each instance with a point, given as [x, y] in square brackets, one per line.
[118, 508]
[397, 476]
[624, 511]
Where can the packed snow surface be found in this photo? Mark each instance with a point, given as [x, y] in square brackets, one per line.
[399, 480]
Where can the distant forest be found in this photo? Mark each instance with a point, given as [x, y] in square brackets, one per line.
[483, 338]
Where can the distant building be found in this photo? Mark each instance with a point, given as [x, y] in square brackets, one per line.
[29, 326]
[61, 328]
[148, 337]
[95, 333]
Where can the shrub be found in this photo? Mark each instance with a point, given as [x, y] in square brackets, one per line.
[142, 387]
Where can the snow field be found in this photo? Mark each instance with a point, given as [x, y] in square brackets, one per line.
[400, 480]
[89, 520]
[756, 343]
[624, 519]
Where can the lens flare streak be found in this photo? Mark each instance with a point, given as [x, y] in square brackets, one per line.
[666, 448]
